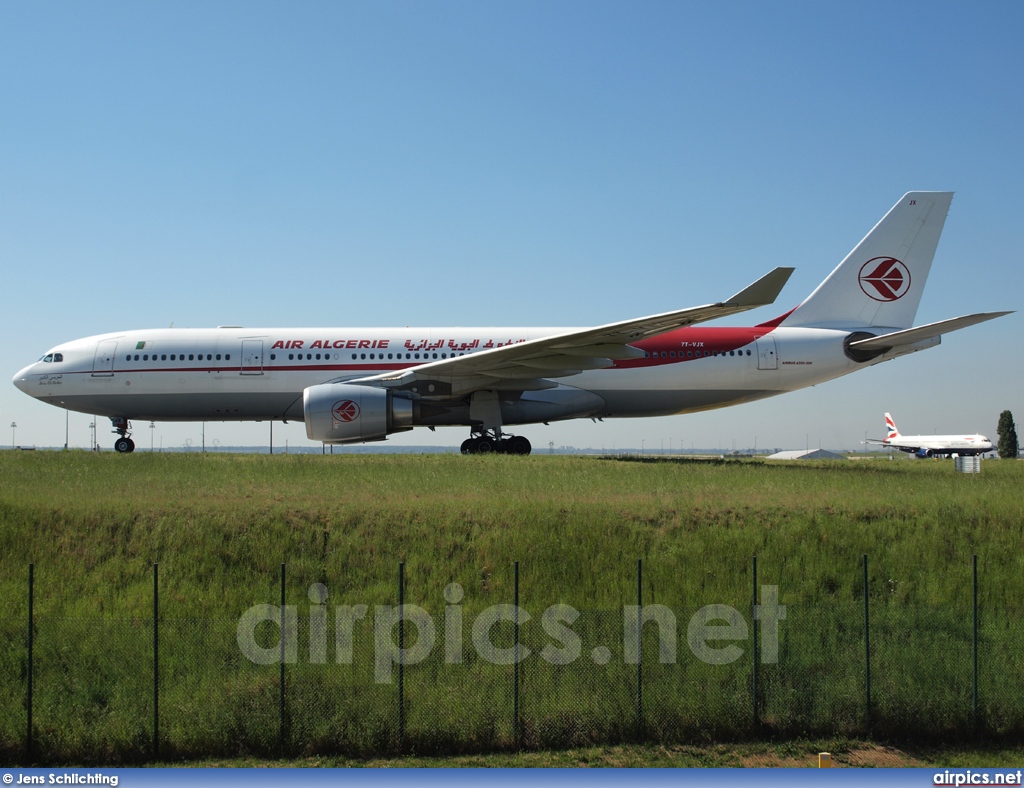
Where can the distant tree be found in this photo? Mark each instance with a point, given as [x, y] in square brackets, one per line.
[1007, 436]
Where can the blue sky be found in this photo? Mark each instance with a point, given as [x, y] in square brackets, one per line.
[526, 163]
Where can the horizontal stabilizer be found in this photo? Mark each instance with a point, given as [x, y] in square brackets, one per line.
[911, 335]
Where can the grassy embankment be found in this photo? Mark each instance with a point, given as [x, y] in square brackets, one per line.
[221, 525]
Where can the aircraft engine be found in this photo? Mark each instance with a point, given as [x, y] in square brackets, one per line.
[343, 413]
[923, 453]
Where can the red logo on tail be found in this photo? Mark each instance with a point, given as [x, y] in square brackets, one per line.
[884, 279]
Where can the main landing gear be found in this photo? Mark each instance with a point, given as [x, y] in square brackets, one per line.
[486, 443]
[124, 444]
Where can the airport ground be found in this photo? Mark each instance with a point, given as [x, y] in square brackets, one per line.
[792, 754]
[220, 525]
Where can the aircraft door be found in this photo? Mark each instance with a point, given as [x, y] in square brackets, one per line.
[767, 353]
[252, 356]
[103, 361]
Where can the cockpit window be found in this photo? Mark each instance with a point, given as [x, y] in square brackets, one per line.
[58, 357]
[47, 358]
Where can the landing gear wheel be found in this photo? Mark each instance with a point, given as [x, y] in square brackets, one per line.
[517, 444]
[124, 444]
[485, 444]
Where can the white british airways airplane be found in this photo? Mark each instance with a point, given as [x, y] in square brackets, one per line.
[353, 385]
[933, 445]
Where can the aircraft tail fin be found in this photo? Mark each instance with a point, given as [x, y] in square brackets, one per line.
[880, 282]
[891, 432]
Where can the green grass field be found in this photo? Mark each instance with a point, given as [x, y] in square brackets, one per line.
[220, 526]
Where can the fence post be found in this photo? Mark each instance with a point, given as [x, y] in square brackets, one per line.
[156, 664]
[639, 648]
[515, 663]
[401, 655]
[975, 643]
[31, 627]
[284, 634]
[867, 649]
[753, 652]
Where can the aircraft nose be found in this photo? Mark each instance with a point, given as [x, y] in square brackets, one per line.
[21, 379]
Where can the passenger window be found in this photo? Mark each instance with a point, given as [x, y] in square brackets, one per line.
[389, 355]
[136, 356]
[218, 356]
[191, 357]
[354, 356]
[273, 356]
[362, 355]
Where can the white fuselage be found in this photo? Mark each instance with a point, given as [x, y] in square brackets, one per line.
[940, 444]
[232, 374]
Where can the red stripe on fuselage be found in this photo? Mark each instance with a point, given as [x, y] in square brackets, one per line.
[693, 343]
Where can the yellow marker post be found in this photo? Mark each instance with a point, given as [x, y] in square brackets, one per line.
[824, 760]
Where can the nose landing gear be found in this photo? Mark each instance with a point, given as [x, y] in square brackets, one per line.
[124, 444]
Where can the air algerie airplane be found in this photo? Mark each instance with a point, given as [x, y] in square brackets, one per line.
[352, 385]
[933, 445]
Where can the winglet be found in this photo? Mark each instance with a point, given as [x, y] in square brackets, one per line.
[764, 291]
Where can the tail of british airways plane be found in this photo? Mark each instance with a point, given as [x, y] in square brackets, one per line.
[880, 282]
[891, 432]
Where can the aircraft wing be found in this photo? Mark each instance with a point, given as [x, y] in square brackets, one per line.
[530, 365]
[911, 335]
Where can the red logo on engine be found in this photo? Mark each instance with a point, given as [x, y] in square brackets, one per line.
[345, 410]
[884, 279]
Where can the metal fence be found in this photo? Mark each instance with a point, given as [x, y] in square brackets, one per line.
[311, 675]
